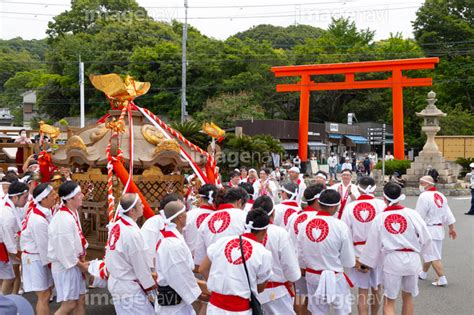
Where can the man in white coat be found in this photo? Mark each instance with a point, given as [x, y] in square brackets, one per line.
[151, 229]
[10, 226]
[347, 190]
[228, 220]
[433, 207]
[278, 296]
[297, 178]
[67, 251]
[37, 275]
[288, 206]
[325, 248]
[130, 280]
[177, 286]
[395, 241]
[359, 216]
[224, 270]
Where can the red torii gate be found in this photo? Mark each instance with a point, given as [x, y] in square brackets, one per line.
[396, 82]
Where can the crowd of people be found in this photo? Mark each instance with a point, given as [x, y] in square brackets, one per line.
[263, 241]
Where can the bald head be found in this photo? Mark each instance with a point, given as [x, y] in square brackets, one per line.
[172, 208]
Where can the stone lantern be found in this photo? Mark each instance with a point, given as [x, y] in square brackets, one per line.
[430, 156]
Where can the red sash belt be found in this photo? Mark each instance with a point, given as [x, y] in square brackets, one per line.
[359, 243]
[231, 303]
[404, 250]
[273, 284]
[4, 253]
[319, 272]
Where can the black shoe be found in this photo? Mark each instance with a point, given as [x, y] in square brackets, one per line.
[469, 213]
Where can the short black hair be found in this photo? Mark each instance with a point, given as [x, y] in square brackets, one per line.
[39, 189]
[17, 187]
[32, 162]
[234, 174]
[10, 177]
[168, 198]
[323, 173]
[311, 191]
[291, 186]
[66, 188]
[266, 170]
[366, 181]
[248, 188]
[220, 196]
[205, 189]
[328, 196]
[263, 202]
[259, 218]
[392, 190]
[235, 194]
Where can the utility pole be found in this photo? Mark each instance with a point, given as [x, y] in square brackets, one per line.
[81, 84]
[184, 64]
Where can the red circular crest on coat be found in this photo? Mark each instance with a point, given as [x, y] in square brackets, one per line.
[395, 224]
[200, 219]
[317, 230]
[114, 237]
[438, 200]
[233, 254]
[364, 212]
[300, 219]
[219, 222]
[287, 215]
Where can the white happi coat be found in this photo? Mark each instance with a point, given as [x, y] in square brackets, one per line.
[284, 211]
[296, 220]
[359, 216]
[249, 205]
[397, 236]
[194, 219]
[10, 224]
[151, 234]
[125, 260]
[345, 198]
[434, 209]
[227, 275]
[272, 190]
[34, 237]
[325, 243]
[285, 266]
[65, 245]
[301, 188]
[227, 221]
[174, 265]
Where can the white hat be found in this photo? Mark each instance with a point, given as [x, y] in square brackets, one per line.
[471, 165]
[294, 169]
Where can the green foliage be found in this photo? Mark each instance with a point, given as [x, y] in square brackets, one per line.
[191, 130]
[458, 122]
[399, 166]
[227, 108]
[464, 162]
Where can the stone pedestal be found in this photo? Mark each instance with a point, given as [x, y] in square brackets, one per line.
[430, 156]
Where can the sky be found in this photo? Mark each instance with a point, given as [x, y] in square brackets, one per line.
[220, 19]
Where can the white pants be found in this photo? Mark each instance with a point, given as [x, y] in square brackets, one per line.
[6, 271]
[437, 251]
[342, 304]
[394, 283]
[134, 305]
[370, 279]
[36, 277]
[70, 284]
[283, 305]
[214, 310]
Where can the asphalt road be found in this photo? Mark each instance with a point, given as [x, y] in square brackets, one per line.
[458, 258]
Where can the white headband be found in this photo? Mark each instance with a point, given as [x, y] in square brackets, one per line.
[314, 198]
[209, 196]
[330, 204]
[43, 194]
[120, 209]
[369, 190]
[249, 227]
[292, 194]
[19, 193]
[168, 224]
[26, 179]
[73, 193]
[394, 201]
[322, 176]
[427, 181]
[273, 208]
